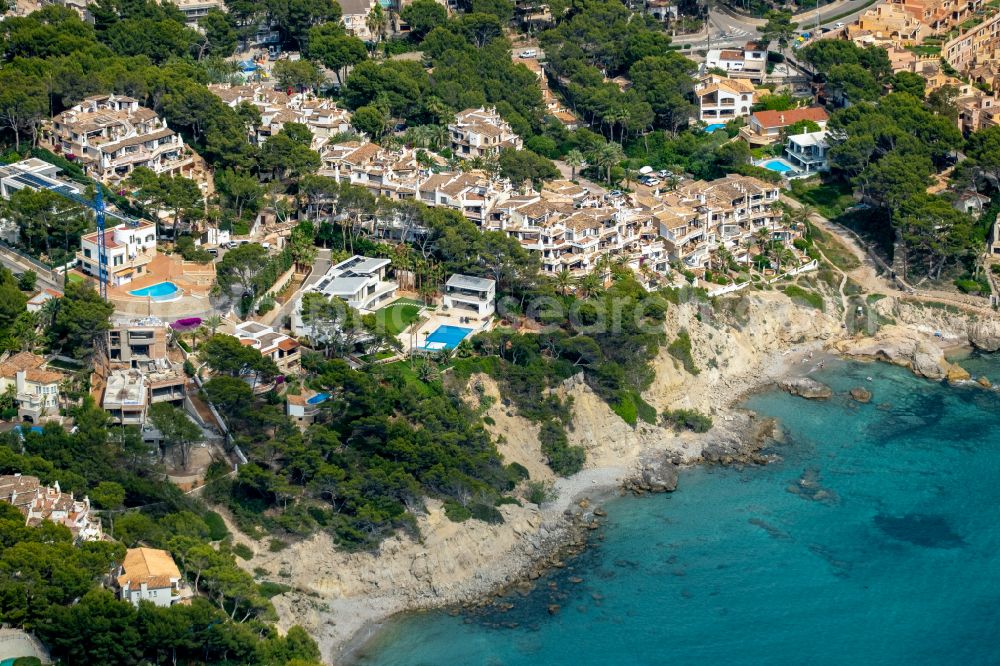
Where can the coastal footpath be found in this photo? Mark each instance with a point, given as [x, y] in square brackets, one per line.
[739, 345]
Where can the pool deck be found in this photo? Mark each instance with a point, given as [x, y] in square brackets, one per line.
[193, 279]
[431, 320]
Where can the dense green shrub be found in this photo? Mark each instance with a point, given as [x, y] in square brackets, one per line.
[565, 460]
[689, 419]
[680, 349]
[456, 512]
[216, 526]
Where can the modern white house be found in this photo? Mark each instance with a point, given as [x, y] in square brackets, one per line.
[34, 174]
[470, 296]
[130, 249]
[149, 574]
[808, 152]
[280, 348]
[360, 281]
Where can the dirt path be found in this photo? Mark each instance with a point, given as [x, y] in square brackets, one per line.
[870, 275]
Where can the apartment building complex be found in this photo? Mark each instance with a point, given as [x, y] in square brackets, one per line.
[480, 132]
[36, 387]
[129, 250]
[721, 99]
[39, 503]
[277, 108]
[939, 15]
[976, 52]
[566, 225]
[110, 135]
[888, 25]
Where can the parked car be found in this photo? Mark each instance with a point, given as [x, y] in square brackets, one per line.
[838, 25]
[528, 53]
[663, 173]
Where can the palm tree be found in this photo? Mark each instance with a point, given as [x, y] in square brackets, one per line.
[590, 283]
[576, 160]
[607, 156]
[564, 281]
[213, 323]
[376, 22]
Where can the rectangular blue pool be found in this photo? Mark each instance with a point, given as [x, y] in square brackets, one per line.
[161, 291]
[714, 126]
[446, 337]
[781, 166]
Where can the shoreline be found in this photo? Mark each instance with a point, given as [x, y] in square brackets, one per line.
[597, 484]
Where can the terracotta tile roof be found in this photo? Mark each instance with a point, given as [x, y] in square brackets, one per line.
[287, 344]
[31, 365]
[784, 118]
[148, 565]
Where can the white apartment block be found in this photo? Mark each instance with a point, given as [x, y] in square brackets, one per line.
[110, 135]
[277, 108]
[479, 132]
[721, 99]
[130, 249]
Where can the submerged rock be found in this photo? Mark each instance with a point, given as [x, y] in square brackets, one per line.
[984, 334]
[806, 387]
[861, 394]
[984, 381]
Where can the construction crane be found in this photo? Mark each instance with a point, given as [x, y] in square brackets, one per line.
[36, 182]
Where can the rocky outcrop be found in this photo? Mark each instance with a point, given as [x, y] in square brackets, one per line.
[659, 477]
[957, 373]
[806, 387]
[899, 346]
[984, 334]
[862, 395]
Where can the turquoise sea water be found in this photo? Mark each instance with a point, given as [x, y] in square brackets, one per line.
[889, 554]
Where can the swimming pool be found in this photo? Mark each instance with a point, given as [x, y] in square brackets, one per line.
[161, 291]
[714, 126]
[318, 398]
[779, 165]
[446, 337]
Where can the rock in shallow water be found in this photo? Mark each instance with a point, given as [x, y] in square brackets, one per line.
[806, 387]
[861, 394]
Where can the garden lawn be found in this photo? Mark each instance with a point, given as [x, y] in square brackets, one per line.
[397, 316]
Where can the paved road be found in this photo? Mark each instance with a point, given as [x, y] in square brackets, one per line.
[320, 267]
[726, 28]
[18, 265]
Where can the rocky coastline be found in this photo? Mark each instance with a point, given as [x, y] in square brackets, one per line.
[343, 599]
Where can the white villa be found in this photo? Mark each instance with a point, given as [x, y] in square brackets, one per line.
[130, 249]
[280, 348]
[720, 99]
[808, 152]
[360, 281]
[149, 574]
[471, 296]
[36, 388]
